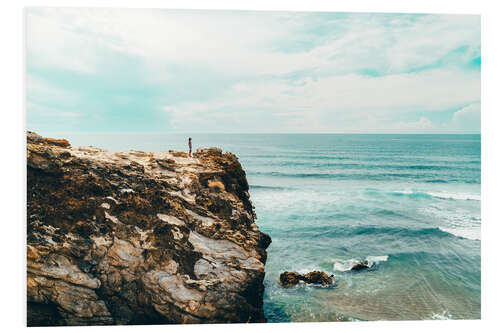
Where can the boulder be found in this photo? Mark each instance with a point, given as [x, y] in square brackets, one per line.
[288, 279]
[317, 277]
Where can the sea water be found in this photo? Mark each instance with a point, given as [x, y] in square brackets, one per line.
[408, 204]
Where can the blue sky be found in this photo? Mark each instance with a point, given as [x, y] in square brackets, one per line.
[129, 70]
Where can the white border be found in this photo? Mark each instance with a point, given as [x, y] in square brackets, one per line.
[13, 155]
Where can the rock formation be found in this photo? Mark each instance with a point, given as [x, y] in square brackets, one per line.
[288, 279]
[360, 266]
[140, 238]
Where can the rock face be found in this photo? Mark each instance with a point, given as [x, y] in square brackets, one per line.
[140, 238]
[288, 279]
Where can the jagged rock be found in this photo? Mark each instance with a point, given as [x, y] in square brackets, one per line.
[35, 138]
[360, 266]
[288, 279]
[318, 277]
[140, 238]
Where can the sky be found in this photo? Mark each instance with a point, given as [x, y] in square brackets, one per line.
[199, 71]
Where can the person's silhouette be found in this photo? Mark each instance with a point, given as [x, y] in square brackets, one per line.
[190, 147]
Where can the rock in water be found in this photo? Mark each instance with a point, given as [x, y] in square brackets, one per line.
[360, 266]
[288, 279]
[318, 277]
[140, 238]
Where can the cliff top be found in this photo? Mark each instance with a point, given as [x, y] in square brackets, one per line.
[150, 237]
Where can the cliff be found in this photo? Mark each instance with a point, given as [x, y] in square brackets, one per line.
[140, 238]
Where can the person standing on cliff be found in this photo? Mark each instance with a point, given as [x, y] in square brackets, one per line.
[190, 147]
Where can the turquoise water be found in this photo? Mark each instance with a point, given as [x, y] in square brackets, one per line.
[409, 204]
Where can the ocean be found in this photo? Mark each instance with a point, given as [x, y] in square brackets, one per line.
[408, 204]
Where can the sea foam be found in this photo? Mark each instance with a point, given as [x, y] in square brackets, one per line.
[441, 195]
[456, 196]
[346, 265]
[469, 233]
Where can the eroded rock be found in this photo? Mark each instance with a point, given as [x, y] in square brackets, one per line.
[140, 238]
[288, 279]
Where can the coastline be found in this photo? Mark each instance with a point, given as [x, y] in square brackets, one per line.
[418, 223]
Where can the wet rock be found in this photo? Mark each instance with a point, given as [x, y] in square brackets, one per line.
[317, 277]
[140, 238]
[288, 279]
[360, 266]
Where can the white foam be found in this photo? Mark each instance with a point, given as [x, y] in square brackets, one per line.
[456, 196]
[443, 195]
[469, 233]
[404, 192]
[377, 259]
[346, 265]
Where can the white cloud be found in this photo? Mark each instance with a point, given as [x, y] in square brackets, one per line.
[468, 119]
[50, 43]
[337, 102]
[244, 43]
[257, 50]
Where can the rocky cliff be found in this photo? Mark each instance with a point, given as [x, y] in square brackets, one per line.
[140, 238]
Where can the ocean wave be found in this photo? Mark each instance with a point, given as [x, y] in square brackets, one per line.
[468, 233]
[293, 175]
[367, 231]
[360, 175]
[356, 165]
[428, 195]
[456, 196]
[461, 232]
[354, 176]
[403, 232]
[295, 156]
[346, 265]
[265, 187]
[411, 194]
[335, 232]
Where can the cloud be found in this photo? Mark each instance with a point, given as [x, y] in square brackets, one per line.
[248, 43]
[422, 124]
[254, 71]
[467, 119]
[336, 103]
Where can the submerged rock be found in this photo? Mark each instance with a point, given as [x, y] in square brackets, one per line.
[288, 279]
[360, 266]
[140, 238]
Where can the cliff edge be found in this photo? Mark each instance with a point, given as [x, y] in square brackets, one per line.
[140, 238]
